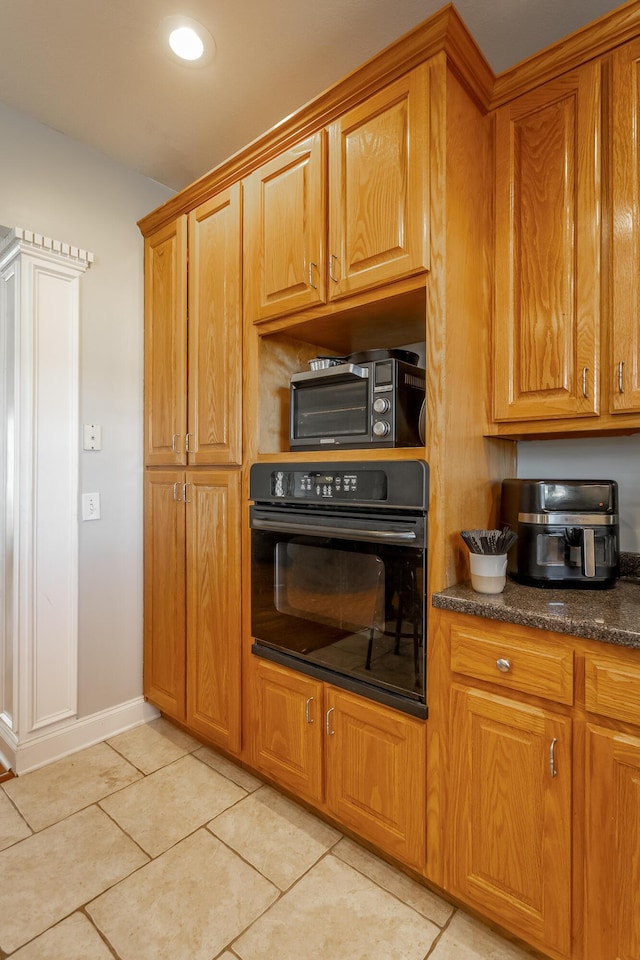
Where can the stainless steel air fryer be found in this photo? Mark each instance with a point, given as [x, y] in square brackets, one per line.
[568, 532]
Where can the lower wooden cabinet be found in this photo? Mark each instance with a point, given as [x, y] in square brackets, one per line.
[361, 761]
[289, 732]
[510, 814]
[192, 600]
[612, 914]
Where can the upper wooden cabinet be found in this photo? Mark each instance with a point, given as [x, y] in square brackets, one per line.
[546, 346]
[624, 368]
[165, 342]
[345, 209]
[194, 419]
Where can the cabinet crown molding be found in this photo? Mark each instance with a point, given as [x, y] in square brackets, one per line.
[28, 240]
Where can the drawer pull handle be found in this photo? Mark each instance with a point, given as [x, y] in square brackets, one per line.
[330, 732]
[585, 370]
[620, 380]
[503, 665]
[552, 758]
[307, 715]
[311, 283]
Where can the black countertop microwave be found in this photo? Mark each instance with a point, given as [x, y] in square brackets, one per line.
[357, 405]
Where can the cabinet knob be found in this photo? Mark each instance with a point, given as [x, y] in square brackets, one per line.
[503, 665]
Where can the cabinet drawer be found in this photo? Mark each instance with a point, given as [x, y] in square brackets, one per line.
[514, 663]
[612, 688]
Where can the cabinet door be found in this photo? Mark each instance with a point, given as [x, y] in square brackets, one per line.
[165, 344]
[289, 728]
[285, 216]
[546, 345]
[612, 917]
[625, 231]
[376, 773]
[215, 331]
[510, 817]
[378, 177]
[213, 606]
[164, 592]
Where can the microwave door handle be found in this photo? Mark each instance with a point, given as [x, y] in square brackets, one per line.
[330, 373]
[588, 553]
[285, 526]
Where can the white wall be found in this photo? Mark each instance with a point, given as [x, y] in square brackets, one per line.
[62, 189]
[609, 458]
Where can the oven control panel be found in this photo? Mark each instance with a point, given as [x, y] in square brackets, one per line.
[340, 485]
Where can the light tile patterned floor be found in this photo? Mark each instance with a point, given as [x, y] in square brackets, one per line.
[152, 847]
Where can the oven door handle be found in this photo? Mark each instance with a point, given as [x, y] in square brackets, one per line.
[346, 533]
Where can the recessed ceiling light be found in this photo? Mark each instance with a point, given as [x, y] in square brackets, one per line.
[186, 44]
[187, 41]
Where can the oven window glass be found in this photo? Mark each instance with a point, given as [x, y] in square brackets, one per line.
[343, 590]
[355, 609]
[331, 409]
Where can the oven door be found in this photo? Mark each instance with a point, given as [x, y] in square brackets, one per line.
[342, 598]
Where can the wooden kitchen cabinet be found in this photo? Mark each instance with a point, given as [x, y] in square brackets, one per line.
[376, 773]
[510, 814]
[612, 872]
[361, 761]
[546, 331]
[345, 209]
[289, 728]
[192, 609]
[165, 636]
[612, 779]
[623, 374]
[193, 372]
[165, 343]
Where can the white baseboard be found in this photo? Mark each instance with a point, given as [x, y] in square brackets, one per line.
[76, 735]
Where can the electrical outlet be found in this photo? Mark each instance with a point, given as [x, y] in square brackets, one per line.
[90, 506]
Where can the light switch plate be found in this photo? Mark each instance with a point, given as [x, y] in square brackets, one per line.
[90, 506]
[92, 436]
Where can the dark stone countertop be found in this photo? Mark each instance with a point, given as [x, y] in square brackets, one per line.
[612, 616]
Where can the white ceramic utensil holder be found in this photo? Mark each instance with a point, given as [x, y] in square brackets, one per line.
[488, 572]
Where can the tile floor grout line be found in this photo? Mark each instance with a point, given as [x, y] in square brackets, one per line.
[103, 936]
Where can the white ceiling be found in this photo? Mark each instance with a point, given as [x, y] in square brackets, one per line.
[95, 69]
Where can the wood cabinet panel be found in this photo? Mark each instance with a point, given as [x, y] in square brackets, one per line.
[376, 773]
[215, 331]
[546, 349]
[285, 217]
[512, 663]
[612, 918]
[510, 818]
[378, 179]
[213, 611]
[164, 593]
[165, 344]
[289, 729]
[624, 369]
[612, 688]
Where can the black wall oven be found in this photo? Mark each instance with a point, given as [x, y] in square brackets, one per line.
[338, 568]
